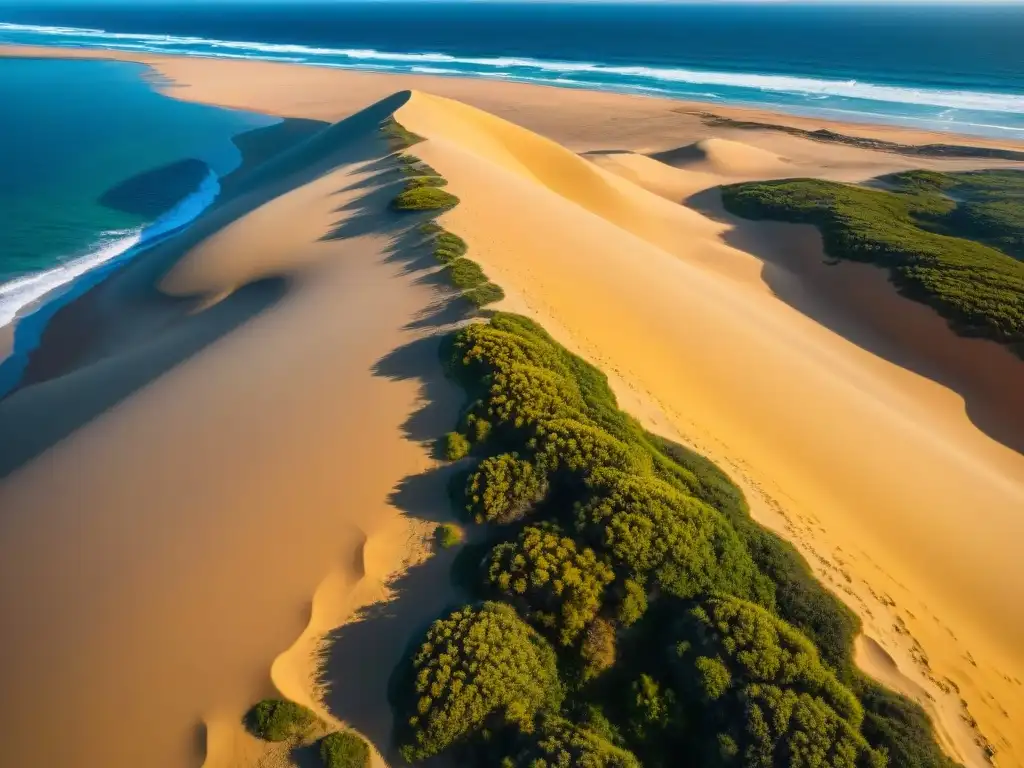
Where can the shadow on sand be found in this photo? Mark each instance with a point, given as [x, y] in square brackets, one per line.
[988, 377]
[123, 333]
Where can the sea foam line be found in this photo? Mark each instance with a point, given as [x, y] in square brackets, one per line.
[43, 293]
[354, 57]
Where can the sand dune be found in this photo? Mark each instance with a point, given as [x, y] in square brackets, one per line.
[200, 408]
[723, 156]
[865, 464]
[186, 473]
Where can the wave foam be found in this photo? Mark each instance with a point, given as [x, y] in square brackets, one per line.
[812, 88]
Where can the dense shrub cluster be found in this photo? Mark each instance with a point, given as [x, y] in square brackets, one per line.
[560, 585]
[478, 668]
[939, 250]
[763, 692]
[417, 198]
[560, 744]
[625, 533]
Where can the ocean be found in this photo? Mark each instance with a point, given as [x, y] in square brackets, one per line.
[79, 144]
[958, 68]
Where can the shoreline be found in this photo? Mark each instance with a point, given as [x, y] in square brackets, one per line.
[162, 63]
[640, 388]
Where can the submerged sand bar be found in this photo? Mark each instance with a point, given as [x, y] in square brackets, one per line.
[221, 492]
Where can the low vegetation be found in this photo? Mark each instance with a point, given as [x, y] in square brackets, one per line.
[344, 749]
[417, 198]
[449, 535]
[280, 720]
[680, 626]
[952, 241]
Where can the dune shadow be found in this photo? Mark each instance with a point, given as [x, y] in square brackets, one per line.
[797, 269]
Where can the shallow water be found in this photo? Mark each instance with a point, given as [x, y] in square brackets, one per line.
[72, 132]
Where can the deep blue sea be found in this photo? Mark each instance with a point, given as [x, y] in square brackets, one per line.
[952, 67]
[71, 134]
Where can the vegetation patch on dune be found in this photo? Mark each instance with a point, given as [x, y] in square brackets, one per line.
[344, 749]
[280, 720]
[627, 581]
[418, 198]
[948, 240]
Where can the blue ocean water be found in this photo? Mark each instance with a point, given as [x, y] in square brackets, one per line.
[948, 67]
[71, 132]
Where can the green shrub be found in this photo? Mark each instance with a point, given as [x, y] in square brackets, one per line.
[478, 667]
[561, 585]
[504, 489]
[448, 535]
[456, 446]
[448, 247]
[426, 181]
[279, 720]
[424, 199]
[344, 750]
[934, 246]
[465, 274]
[597, 650]
[634, 603]
[398, 135]
[560, 743]
[485, 294]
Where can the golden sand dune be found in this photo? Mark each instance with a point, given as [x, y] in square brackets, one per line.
[182, 476]
[723, 156]
[228, 419]
[866, 465]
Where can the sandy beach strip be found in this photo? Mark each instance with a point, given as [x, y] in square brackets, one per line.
[863, 443]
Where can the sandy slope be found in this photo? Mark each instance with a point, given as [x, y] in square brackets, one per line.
[822, 401]
[906, 507]
[203, 466]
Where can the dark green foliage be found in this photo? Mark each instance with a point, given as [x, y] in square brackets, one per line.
[448, 247]
[764, 691]
[900, 726]
[456, 446]
[424, 199]
[485, 294]
[478, 668]
[426, 181]
[448, 535]
[504, 488]
[344, 750]
[649, 527]
[560, 744]
[933, 246]
[279, 720]
[628, 533]
[560, 584]
[397, 135]
[465, 274]
[597, 651]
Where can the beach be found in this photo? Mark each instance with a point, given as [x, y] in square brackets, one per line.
[242, 420]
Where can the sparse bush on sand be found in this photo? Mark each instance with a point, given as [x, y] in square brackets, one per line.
[344, 749]
[425, 199]
[280, 720]
[449, 535]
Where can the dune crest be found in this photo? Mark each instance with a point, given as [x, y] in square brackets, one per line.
[864, 465]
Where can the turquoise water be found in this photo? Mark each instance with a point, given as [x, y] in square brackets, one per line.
[71, 132]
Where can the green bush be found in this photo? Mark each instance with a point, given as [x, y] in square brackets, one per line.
[561, 585]
[344, 750]
[456, 446]
[765, 691]
[426, 181]
[933, 245]
[559, 743]
[504, 488]
[279, 720]
[478, 668]
[465, 274]
[424, 199]
[485, 294]
[448, 535]
[448, 247]
[398, 135]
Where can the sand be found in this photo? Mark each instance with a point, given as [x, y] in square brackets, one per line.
[884, 446]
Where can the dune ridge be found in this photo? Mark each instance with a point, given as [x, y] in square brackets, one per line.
[694, 340]
[797, 413]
